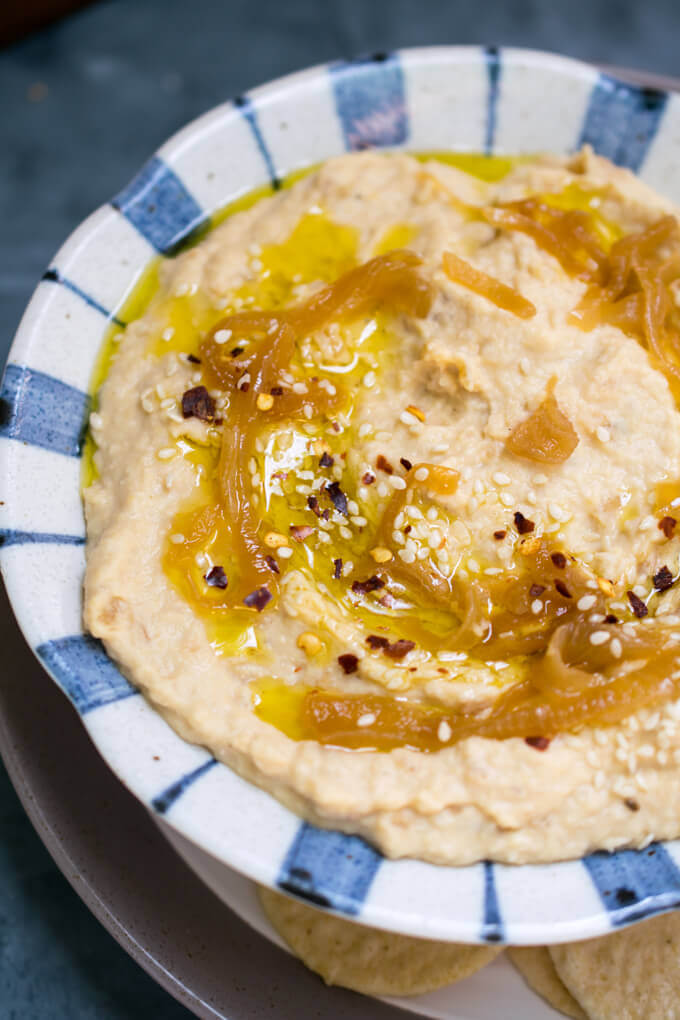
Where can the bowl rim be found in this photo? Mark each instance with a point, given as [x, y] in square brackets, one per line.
[369, 909]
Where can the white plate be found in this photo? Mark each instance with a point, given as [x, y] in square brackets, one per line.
[436, 98]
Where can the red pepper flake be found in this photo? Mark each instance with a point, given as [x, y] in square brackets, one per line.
[348, 662]
[384, 465]
[631, 804]
[244, 387]
[536, 590]
[562, 589]
[235, 351]
[559, 559]
[373, 583]
[272, 564]
[193, 359]
[611, 618]
[325, 460]
[663, 579]
[499, 535]
[301, 531]
[276, 391]
[337, 568]
[313, 504]
[406, 464]
[338, 498]
[540, 743]
[216, 577]
[368, 478]
[522, 523]
[197, 403]
[667, 525]
[399, 649]
[637, 605]
[375, 641]
[258, 599]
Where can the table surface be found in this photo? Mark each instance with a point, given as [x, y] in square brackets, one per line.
[84, 103]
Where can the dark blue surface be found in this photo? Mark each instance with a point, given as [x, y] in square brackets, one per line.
[42, 411]
[492, 928]
[84, 105]
[329, 868]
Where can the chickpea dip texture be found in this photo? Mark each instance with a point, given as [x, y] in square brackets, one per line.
[384, 505]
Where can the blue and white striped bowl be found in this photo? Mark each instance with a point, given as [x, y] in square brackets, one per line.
[464, 98]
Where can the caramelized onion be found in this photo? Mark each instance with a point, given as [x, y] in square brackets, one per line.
[460, 271]
[246, 372]
[546, 436]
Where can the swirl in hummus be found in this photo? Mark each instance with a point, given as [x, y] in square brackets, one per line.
[384, 512]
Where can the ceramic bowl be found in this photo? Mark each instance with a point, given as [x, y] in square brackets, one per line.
[462, 98]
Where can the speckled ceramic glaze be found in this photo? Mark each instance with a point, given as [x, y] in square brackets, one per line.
[439, 98]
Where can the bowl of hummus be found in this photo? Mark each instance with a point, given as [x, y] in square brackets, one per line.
[341, 458]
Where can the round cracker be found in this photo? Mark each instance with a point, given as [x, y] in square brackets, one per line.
[536, 967]
[631, 975]
[366, 959]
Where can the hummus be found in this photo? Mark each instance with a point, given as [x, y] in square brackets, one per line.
[401, 549]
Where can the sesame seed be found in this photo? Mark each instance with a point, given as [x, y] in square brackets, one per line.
[382, 490]
[603, 434]
[536, 606]
[299, 387]
[166, 453]
[540, 479]
[506, 498]
[367, 719]
[500, 478]
[96, 420]
[616, 648]
[285, 552]
[348, 568]
[168, 333]
[444, 731]
[473, 566]
[221, 336]
[360, 521]
[177, 538]
[365, 430]
[558, 512]
[397, 482]
[586, 602]
[369, 380]
[432, 514]
[421, 474]
[599, 637]
[345, 532]
[406, 555]
[406, 418]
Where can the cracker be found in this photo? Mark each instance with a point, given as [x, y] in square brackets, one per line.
[633, 974]
[536, 967]
[368, 960]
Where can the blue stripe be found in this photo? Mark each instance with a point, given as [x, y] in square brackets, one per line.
[84, 671]
[329, 869]
[165, 800]
[370, 99]
[492, 926]
[622, 120]
[43, 411]
[633, 884]
[159, 205]
[493, 70]
[245, 105]
[9, 536]
[54, 276]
